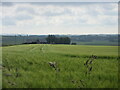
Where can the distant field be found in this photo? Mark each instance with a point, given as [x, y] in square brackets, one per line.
[102, 43]
[26, 66]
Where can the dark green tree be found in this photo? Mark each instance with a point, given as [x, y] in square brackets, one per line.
[51, 39]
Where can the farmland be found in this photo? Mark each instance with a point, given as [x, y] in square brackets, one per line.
[27, 66]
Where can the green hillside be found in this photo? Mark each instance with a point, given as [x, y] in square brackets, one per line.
[27, 66]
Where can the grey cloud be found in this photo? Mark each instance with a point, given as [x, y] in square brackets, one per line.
[29, 10]
[108, 6]
[109, 22]
[103, 4]
[49, 13]
[96, 13]
[7, 4]
[8, 21]
[111, 13]
[57, 3]
[23, 17]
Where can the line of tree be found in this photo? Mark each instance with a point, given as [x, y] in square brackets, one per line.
[52, 39]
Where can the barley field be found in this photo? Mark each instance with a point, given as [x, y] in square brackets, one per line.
[76, 66]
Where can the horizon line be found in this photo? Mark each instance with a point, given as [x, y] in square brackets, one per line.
[63, 34]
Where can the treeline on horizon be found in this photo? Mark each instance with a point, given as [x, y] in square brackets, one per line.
[78, 39]
[52, 39]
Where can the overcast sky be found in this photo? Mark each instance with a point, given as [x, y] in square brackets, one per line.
[59, 18]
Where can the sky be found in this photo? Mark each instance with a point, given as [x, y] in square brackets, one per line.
[59, 18]
[59, 0]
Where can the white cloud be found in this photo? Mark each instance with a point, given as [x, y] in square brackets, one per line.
[34, 17]
[59, 0]
[0, 17]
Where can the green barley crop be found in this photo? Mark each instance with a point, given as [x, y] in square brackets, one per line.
[27, 66]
